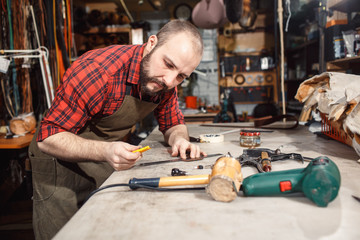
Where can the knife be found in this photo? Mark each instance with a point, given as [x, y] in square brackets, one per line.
[179, 160]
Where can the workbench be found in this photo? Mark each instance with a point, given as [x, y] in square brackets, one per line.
[121, 213]
[199, 118]
[16, 143]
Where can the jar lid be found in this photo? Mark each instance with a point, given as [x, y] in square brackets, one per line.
[249, 133]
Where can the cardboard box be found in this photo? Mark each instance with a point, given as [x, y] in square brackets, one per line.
[338, 18]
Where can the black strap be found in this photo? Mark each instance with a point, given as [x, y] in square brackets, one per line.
[128, 88]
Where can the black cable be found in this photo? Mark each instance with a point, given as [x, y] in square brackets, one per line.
[135, 186]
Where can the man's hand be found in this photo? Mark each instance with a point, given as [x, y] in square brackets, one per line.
[178, 138]
[70, 147]
[185, 149]
[120, 155]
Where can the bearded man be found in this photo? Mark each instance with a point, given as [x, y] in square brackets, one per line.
[81, 140]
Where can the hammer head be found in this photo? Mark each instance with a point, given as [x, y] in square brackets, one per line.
[225, 179]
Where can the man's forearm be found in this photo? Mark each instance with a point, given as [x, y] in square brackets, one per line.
[176, 132]
[70, 147]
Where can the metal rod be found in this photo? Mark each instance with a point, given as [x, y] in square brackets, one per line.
[179, 160]
[35, 27]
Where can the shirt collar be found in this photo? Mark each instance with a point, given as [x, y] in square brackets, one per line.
[134, 69]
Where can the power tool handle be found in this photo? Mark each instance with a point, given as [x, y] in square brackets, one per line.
[273, 183]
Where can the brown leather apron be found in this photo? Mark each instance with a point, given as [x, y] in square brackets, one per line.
[60, 187]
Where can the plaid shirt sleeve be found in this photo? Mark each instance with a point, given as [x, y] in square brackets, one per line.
[168, 112]
[80, 97]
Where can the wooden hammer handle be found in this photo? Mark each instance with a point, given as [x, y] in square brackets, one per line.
[265, 162]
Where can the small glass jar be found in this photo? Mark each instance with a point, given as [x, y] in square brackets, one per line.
[250, 139]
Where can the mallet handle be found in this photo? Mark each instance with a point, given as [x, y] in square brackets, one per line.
[170, 181]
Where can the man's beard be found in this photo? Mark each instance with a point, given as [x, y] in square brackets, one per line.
[145, 78]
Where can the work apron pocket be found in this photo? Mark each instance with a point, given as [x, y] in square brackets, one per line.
[43, 177]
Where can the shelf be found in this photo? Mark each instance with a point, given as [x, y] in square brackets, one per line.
[16, 143]
[198, 118]
[347, 6]
[345, 60]
[251, 102]
[97, 30]
[301, 46]
[235, 54]
[295, 80]
[227, 32]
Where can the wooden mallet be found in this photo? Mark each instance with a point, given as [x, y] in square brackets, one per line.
[223, 183]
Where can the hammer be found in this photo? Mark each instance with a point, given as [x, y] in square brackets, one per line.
[223, 183]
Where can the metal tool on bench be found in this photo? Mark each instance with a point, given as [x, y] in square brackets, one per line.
[261, 158]
[188, 159]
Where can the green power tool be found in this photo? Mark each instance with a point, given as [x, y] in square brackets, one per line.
[319, 181]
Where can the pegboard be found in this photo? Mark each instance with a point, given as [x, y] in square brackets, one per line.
[251, 87]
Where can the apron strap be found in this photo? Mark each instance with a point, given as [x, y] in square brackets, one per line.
[128, 89]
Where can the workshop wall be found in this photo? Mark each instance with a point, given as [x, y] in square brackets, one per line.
[206, 88]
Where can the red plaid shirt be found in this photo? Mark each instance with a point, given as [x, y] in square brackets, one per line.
[95, 85]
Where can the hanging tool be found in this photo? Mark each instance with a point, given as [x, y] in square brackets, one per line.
[261, 158]
[15, 88]
[223, 116]
[179, 160]
[44, 64]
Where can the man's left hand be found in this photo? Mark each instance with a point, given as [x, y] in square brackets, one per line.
[185, 149]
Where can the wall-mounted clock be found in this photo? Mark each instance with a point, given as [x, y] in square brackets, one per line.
[183, 11]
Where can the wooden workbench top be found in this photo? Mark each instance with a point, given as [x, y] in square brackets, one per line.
[16, 143]
[121, 213]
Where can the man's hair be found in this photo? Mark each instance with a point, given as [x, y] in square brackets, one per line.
[179, 26]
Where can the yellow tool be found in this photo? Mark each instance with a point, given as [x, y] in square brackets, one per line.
[142, 149]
